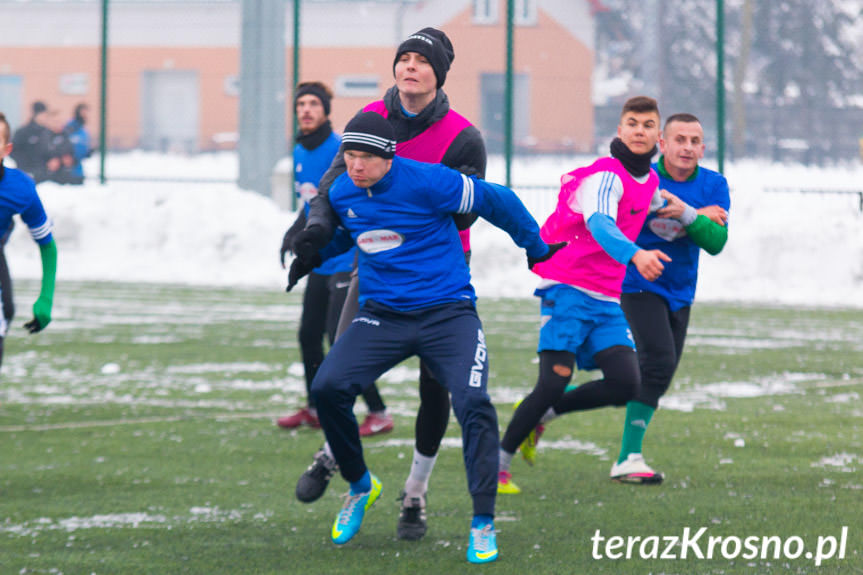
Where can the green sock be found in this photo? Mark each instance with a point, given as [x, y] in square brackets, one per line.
[638, 417]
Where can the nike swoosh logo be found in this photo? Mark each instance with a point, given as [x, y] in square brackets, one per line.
[336, 533]
[633, 212]
[486, 554]
[378, 426]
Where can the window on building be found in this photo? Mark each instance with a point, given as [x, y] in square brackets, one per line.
[11, 96]
[485, 11]
[357, 86]
[525, 12]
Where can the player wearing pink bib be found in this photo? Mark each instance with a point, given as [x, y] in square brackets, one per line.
[600, 211]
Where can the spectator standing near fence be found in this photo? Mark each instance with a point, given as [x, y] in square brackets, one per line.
[32, 147]
[61, 158]
[79, 137]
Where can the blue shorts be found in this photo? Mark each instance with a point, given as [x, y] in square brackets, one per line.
[575, 322]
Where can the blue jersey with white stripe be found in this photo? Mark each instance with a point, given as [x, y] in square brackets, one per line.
[18, 196]
[410, 254]
[309, 167]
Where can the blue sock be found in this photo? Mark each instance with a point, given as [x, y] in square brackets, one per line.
[362, 485]
[480, 521]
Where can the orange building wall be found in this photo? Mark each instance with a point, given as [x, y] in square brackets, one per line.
[41, 69]
[326, 64]
[559, 68]
[218, 110]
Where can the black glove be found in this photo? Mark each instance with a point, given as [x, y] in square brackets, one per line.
[33, 326]
[290, 234]
[300, 269]
[552, 249]
[287, 241]
[308, 243]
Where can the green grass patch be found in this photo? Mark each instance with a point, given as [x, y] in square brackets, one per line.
[137, 436]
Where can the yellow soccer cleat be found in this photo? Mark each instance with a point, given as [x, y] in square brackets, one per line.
[505, 484]
[528, 446]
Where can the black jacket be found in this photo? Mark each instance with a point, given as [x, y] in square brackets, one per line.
[31, 150]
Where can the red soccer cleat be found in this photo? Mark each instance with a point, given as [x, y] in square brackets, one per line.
[302, 417]
[376, 423]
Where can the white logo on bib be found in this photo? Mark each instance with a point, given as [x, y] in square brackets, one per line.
[307, 191]
[374, 241]
[666, 228]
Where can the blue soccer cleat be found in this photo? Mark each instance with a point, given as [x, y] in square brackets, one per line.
[350, 518]
[483, 544]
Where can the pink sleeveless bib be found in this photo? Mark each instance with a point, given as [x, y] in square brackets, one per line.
[583, 263]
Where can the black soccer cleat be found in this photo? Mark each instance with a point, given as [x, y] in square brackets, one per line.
[314, 480]
[412, 518]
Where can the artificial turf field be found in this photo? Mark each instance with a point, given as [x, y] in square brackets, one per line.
[137, 437]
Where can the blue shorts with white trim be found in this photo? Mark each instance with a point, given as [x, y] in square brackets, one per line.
[575, 322]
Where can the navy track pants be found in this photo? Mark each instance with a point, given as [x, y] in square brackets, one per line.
[449, 339]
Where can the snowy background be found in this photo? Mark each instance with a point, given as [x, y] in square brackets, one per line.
[785, 247]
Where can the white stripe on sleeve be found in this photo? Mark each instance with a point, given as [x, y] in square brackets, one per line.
[43, 230]
[467, 195]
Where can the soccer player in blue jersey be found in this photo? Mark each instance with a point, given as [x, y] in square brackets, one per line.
[415, 299]
[694, 218]
[327, 285]
[428, 130]
[18, 196]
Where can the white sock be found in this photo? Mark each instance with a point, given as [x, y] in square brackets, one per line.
[417, 482]
[505, 460]
[329, 451]
[548, 416]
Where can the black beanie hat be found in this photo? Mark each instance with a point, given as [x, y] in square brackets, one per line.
[435, 46]
[316, 90]
[370, 132]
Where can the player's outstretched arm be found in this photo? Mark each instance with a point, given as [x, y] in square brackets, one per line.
[501, 206]
[45, 301]
[707, 234]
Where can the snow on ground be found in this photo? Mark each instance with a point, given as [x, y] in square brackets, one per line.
[785, 247]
